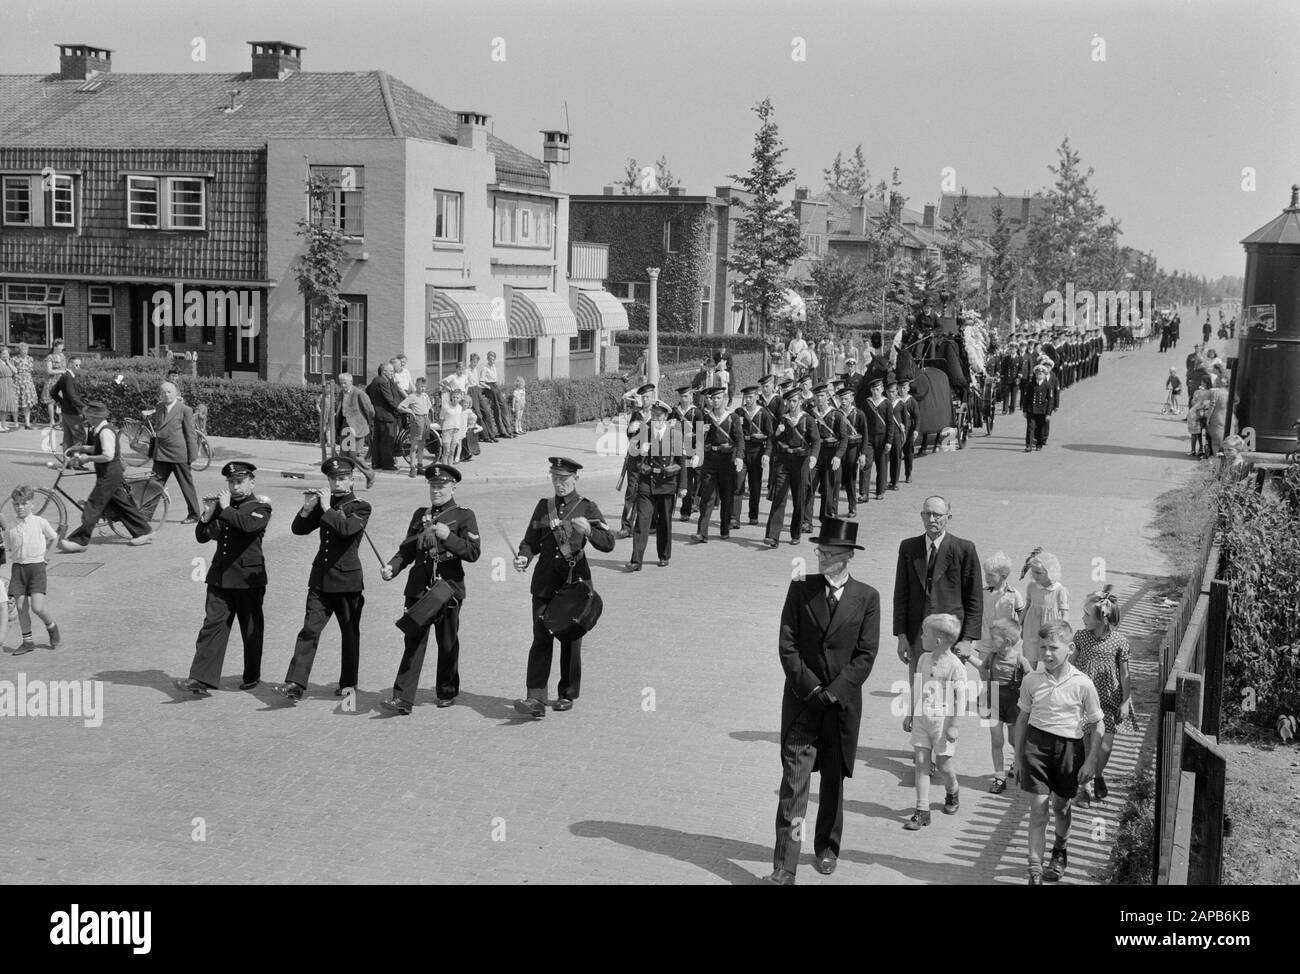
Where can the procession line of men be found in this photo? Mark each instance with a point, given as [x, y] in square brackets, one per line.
[1035, 370]
[440, 540]
[809, 441]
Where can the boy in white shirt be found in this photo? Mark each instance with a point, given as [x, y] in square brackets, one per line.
[938, 699]
[25, 543]
[417, 407]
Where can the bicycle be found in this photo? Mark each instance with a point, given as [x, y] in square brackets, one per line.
[1170, 404]
[138, 434]
[51, 503]
[432, 443]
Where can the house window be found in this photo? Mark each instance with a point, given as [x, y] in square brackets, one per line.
[344, 206]
[521, 223]
[705, 305]
[62, 203]
[342, 349]
[442, 359]
[186, 204]
[165, 203]
[17, 201]
[142, 202]
[674, 235]
[584, 342]
[101, 329]
[446, 216]
[28, 324]
[100, 295]
[519, 348]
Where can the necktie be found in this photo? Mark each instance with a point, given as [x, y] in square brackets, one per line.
[833, 596]
[929, 566]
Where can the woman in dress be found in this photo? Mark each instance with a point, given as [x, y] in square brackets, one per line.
[55, 365]
[1101, 653]
[24, 384]
[1046, 599]
[7, 374]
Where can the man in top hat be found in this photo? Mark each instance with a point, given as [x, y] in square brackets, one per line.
[660, 482]
[855, 434]
[1042, 398]
[687, 414]
[236, 520]
[335, 585]
[440, 540]
[794, 438]
[830, 633]
[757, 425]
[723, 445]
[109, 497]
[557, 534]
[640, 403]
[832, 442]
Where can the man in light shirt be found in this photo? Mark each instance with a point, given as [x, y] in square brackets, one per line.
[402, 375]
[490, 382]
[110, 495]
[476, 401]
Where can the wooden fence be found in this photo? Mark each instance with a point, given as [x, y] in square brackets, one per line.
[1190, 768]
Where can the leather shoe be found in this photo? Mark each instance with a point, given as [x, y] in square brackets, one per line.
[394, 706]
[825, 864]
[192, 686]
[663, 562]
[564, 703]
[634, 566]
[770, 542]
[446, 702]
[192, 519]
[290, 691]
[531, 707]
[250, 684]
[344, 691]
[780, 877]
[699, 539]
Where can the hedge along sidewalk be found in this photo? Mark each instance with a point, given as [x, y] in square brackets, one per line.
[521, 460]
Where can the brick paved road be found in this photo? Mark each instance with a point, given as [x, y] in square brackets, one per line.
[666, 770]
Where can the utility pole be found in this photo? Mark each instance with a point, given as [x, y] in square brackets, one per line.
[652, 347]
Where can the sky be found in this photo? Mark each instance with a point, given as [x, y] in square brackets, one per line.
[1188, 95]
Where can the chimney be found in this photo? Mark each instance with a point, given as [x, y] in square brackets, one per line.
[801, 193]
[80, 62]
[676, 191]
[858, 220]
[927, 219]
[471, 130]
[1024, 210]
[275, 60]
[555, 146]
[896, 207]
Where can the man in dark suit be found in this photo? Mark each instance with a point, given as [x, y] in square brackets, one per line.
[794, 438]
[1042, 398]
[440, 540]
[855, 429]
[830, 633]
[757, 425]
[66, 394]
[936, 572]
[660, 481]
[557, 533]
[723, 444]
[334, 587]
[236, 520]
[385, 397]
[175, 446]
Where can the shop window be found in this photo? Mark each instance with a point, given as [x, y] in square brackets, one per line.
[584, 341]
[443, 358]
[521, 348]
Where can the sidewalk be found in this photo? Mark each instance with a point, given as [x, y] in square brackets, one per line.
[521, 460]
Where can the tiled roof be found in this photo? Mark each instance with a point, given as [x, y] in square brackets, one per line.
[915, 235]
[979, 213]
[185, 111]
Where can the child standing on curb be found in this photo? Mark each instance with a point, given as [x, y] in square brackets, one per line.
[1057, 702]
[1003, 672]
[938, 699]
[25, 544]
[1101, 653]
[519, 399]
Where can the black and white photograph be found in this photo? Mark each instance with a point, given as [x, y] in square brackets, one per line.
[594, 442]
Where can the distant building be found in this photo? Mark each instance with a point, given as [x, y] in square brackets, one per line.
[1018, 211]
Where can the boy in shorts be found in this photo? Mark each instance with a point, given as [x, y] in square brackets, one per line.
[1003, 670]
[1056, 702]
[25, 543]
[938, 698]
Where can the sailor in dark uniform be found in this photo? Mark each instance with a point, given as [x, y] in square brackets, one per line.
[334, 587]
[855, 431]
[440, 540]
[877, 410]
[832, 443]
[631, 462]
[557, 533]
[661, 481]
[793, 440]
[723, 446]
[687, 414]
[757, 425]
[236, 520]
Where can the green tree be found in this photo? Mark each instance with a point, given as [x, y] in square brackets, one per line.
[841, 289]
[767, 238]
[320, 276]
[1004, 268]
[850, 177]
[957, 260]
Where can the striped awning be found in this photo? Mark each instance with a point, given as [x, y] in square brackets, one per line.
[541, 314]
[600, 309]
[464, 316]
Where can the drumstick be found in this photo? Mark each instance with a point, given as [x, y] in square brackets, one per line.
[382, 563]
[504, 537]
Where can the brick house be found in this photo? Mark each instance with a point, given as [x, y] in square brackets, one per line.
[142, 210]
[1019, 211]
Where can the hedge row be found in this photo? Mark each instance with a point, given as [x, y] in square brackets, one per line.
[688, 339]
[250, 410]
[562, 402]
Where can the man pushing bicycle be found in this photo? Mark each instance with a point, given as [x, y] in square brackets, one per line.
[110, 494]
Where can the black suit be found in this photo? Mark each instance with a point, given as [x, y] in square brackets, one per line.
[66, 394]
[834, 653]
[431, 560]
[954, 588]
[385, 397]
[334, 586]
[758, 433]
[236, 588]
[660, 476]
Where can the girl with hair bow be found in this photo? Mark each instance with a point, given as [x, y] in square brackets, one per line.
[1101, 653]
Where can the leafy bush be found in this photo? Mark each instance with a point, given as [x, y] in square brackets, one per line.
[250, 410]
[687, 339]
[1131, 856]
[562, 402]
[1261, 542]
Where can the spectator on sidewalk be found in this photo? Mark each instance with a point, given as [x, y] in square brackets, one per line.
[520, 400]
[402, 375]
[476, 401]
[490, 382]
[385, 397]
[458, 381]
[24, 384]
[1046, 599]
[453, 427]
[416, 408]
[7, 375]
[355, 414]
[55, 363]
[66, 394]
[25, 542]
[175, 446]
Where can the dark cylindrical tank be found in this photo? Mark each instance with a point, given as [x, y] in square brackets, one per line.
[1268, 367]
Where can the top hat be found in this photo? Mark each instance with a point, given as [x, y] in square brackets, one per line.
[837, 533]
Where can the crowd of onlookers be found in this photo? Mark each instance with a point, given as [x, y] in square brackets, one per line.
[397, 415]
[19, 396]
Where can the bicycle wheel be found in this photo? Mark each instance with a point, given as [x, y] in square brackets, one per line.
[402, 445]
[46, 504]
[134, 440]
[153, 501]
[204, 459]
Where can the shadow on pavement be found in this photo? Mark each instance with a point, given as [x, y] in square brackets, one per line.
[1123, 451]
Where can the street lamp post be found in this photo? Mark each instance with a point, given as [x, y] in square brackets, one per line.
[652, 347]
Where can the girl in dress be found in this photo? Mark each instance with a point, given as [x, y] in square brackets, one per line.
[1001, 600]
[7, 375]
[24, 384]
[56, 363]
[1046, 599]
[1101, 654]
[453, 430]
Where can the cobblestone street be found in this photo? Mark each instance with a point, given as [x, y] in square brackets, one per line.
[665, 771]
